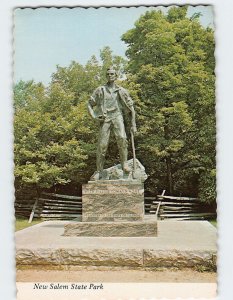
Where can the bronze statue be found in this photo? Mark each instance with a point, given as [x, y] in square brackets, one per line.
[109, 104]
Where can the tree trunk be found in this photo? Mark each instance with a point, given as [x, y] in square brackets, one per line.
[168, 159]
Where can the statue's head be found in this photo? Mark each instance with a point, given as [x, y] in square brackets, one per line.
[111, 74]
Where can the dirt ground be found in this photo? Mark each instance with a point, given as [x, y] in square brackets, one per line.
[92, 275]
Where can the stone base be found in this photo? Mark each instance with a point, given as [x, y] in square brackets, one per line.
[180, 244]
[143, 228]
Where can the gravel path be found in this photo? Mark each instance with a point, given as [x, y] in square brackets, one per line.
[92, 275]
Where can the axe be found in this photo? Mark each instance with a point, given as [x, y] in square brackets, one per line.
[134, 155]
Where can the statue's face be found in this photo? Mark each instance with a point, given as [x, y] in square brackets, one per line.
[111, 75]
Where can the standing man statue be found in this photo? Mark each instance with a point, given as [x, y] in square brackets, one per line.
[110, 104]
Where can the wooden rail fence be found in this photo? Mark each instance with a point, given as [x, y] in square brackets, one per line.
[177, 208]
[51, 206]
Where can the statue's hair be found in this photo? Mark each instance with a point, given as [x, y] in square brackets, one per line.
[111, 69]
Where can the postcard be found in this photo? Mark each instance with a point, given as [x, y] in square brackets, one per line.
[115, 152]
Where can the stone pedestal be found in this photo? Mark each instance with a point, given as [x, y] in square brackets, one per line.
[113, 208]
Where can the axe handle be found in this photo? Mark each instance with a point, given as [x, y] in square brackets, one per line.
[134, 154]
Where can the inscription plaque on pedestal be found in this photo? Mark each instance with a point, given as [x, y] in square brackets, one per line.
[112, 200]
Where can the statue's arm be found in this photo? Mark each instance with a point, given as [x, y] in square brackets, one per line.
[129, 102]
[90, 106]
[93, 102]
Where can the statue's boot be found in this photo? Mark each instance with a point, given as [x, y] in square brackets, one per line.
[125, 167]
[123, 157]
[96, 176]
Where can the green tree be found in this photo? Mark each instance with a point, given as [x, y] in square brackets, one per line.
[47, 152]
[172, 59]
[27, 94]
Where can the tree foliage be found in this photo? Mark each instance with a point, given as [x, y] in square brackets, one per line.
[172, 57]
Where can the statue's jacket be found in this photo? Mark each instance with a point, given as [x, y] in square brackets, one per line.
[121, 95]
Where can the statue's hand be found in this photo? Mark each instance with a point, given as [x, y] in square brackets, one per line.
[100, 118]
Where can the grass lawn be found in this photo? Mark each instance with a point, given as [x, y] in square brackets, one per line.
[21, 223]
[214, 222]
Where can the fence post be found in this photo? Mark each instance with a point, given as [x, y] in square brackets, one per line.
[33, 211]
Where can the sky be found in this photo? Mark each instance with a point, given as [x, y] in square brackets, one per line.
[45, 38]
